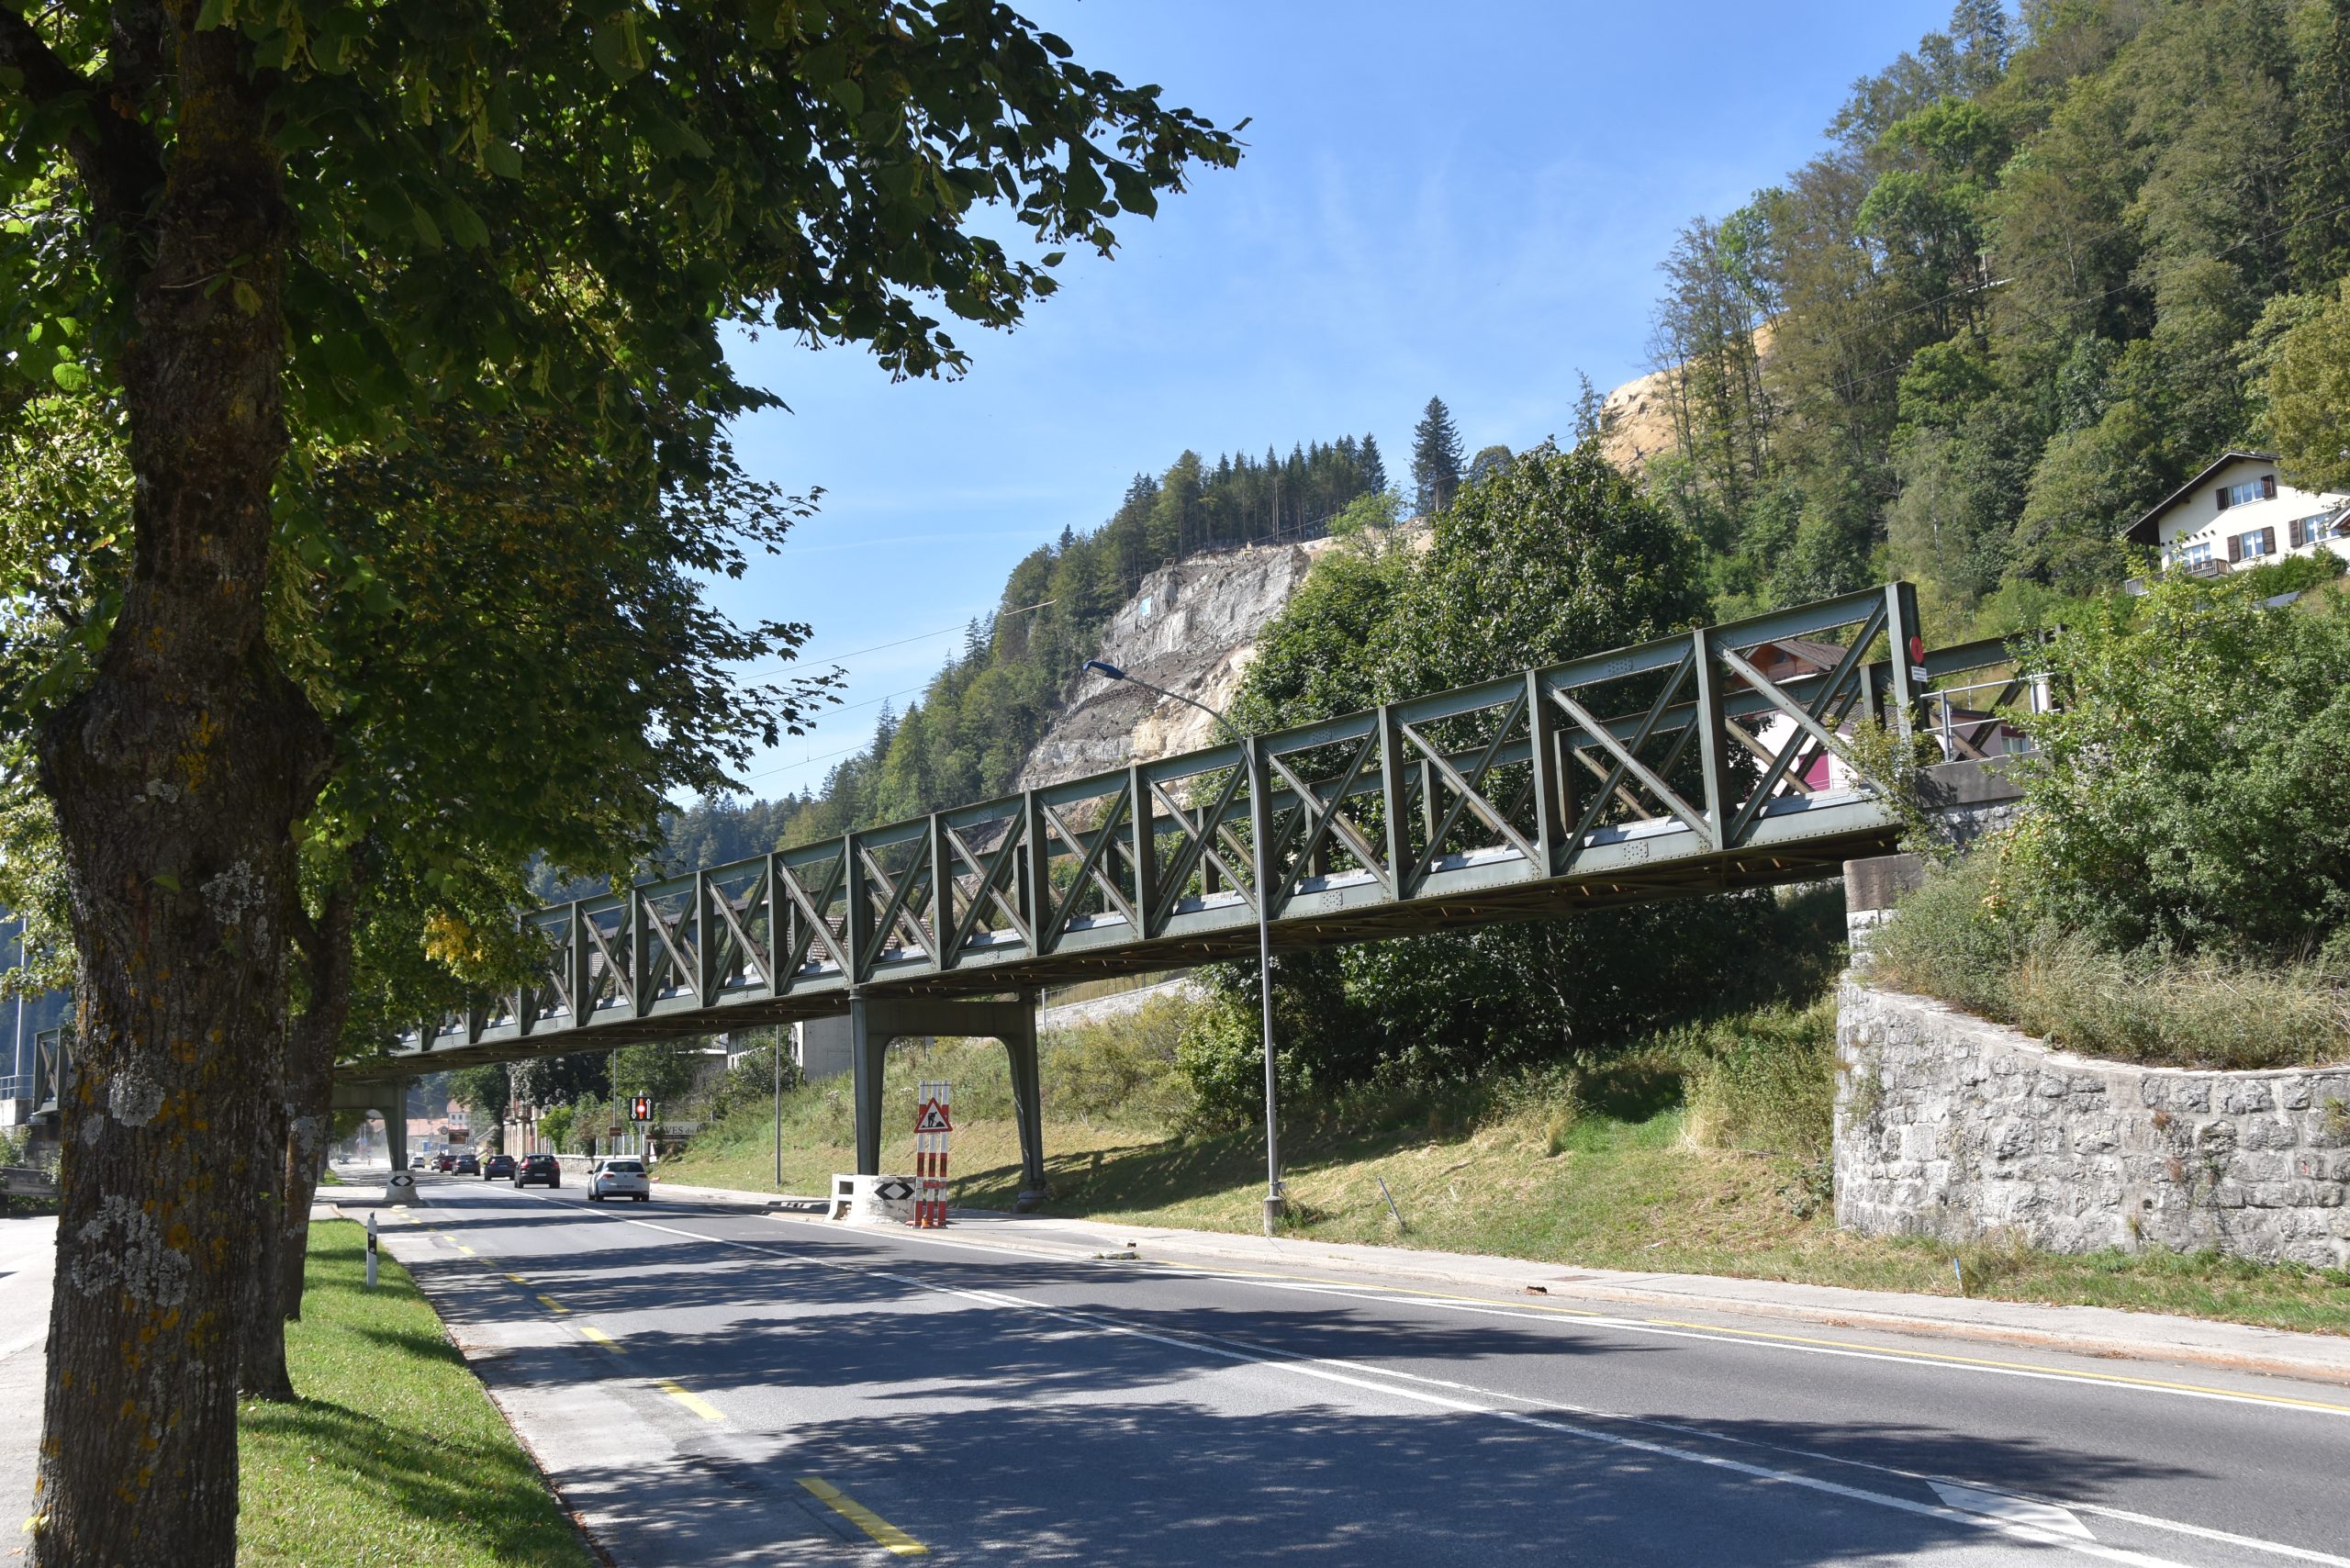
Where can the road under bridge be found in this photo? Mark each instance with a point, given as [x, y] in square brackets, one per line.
[1717, 759]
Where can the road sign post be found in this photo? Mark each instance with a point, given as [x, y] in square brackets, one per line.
[371, 1251]
[934, 1122]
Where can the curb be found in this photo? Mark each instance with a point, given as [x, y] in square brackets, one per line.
[2333, 1368]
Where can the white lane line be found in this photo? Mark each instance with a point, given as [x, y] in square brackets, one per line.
[1328, 1372]
[2006, 1505]
[2150, 1522]
[1653, 1328]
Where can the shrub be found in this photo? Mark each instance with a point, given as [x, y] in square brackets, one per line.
[1763, 1080]
[1122, 1071]
[1963, 938]
[2193, 792]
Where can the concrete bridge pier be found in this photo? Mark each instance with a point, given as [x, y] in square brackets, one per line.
[875, 1021]
[388, 1097]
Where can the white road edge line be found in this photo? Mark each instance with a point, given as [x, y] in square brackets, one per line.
[2150, 1522]
[1654, 1330]
[1326, 1373]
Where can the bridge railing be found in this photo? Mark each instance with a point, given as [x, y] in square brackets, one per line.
[1604, 775]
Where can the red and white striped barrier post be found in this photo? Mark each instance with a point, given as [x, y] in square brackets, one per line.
[932, 1122]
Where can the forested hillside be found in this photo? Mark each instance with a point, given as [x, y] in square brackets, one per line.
[967, 734]
[2042, 274]
[2047, 265]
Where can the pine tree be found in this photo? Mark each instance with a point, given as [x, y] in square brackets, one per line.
[1436, 458]
[2319, 206]
[1373, 467]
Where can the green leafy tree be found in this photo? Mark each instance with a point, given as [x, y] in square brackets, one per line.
[317, 220]
[2308, 393]
[2193, 792]
[1558, 557]
[2320, 202]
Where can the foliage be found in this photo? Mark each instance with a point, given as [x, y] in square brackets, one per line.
[2309, 395]
[2193, 790]
[1967, 937]
[1436, 454]
[2027, 290]
[972, 728]
[1555, 557]
[1761, 1079]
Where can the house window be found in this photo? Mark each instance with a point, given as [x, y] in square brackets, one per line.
[2311, 530]
[2261, 489]
[2194, 556]
[2253, 545]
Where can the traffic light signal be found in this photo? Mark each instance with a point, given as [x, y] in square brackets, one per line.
[639, 1109]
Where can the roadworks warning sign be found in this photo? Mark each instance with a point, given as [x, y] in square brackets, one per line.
[932, 1118]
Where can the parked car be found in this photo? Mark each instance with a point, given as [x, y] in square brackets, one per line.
[621, 1177]
[543, 1168]
[444, 1162]
[468, 1164]
[498, 1168]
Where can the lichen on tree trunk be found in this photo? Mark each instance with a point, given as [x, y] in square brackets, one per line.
[176, 775]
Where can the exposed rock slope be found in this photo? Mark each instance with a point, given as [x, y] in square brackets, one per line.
[1192, 628]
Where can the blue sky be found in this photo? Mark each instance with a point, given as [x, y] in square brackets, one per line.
[1467, 201]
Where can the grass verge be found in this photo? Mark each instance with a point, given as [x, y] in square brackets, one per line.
[1632, 1162]
[394, 1454]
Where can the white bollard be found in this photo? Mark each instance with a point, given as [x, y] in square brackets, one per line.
[371, 1251]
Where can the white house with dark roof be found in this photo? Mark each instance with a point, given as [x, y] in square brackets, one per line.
[2237, 513]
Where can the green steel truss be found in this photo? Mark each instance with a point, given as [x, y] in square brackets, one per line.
[1679, 766]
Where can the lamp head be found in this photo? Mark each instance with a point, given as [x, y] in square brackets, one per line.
[1103, 667]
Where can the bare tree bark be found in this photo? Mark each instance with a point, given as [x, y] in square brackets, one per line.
[176, 775]
[311, 1042]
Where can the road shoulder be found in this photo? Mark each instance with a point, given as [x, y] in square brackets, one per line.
[2100, 1331]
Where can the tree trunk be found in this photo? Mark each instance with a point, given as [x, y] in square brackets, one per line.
[260, 1329]
[176, 775]
[311, 1042]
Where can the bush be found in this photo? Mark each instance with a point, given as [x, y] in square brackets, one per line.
[1762, 1080]
[2193, 793]
[1965, 939]
[1122, 1071]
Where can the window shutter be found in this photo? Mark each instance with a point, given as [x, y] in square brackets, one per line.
[2294, 533]
[2223, 497]
[2268, 541]
[2268, 487]
[2235, 548]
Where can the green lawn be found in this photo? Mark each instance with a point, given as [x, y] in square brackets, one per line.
[394, 1454]
[1625, 1190]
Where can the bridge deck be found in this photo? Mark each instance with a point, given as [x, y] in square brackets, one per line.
[1706, 761]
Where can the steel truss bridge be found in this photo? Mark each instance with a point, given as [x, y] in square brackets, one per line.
[1683, 766]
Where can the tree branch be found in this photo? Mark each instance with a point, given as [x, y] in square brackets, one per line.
[115, 156]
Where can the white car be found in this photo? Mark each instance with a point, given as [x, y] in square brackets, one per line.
[623, 1177]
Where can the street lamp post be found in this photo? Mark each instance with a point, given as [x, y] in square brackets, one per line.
[1252, 756]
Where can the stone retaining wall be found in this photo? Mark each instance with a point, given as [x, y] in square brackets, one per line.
[1950, 1125]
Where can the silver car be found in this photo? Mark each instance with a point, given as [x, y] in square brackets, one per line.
[623, 1177]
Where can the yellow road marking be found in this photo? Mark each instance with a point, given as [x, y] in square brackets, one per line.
[521, 1281]
[550, 1303]
[690, 1400]
[466, 1250]
[599, 1337]
[863, 1518]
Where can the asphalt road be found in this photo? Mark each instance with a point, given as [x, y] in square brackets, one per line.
[679, 1369]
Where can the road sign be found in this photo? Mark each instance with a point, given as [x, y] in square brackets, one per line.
[933, 1122]
[639, 1109]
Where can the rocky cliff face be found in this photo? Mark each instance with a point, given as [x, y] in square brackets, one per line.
[1192, 628]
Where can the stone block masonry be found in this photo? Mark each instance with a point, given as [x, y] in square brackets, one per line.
[1952, 1127]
